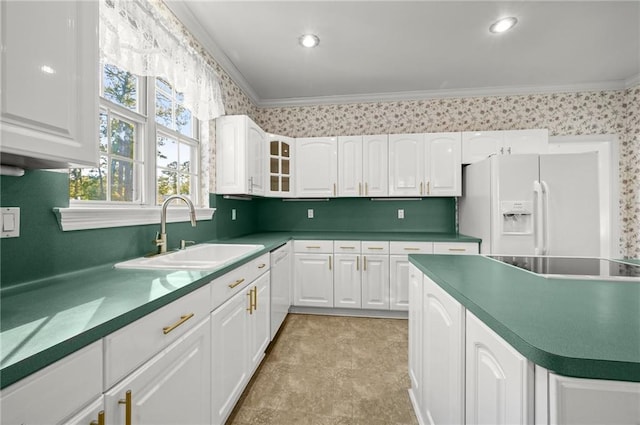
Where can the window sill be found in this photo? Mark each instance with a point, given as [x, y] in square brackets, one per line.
[83, 218]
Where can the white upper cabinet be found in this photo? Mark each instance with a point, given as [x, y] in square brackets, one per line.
[240, 158]
[363, 166]
[375, 165]
[425, 164]
[406, 164]
[49, 93]
[443, 167]
[478, 145]
[279, 166]
[350, 160]
[316, 167]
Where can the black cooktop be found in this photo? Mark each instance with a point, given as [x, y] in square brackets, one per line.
[572, 266]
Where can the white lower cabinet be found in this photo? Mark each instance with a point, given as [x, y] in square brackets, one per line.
[240, 334]
[375, 281]
[347, 281]
[174, 387]
[399, 270]
[313, 273]
[56, 392]
[280, 286]
[415, 337]
[499, 380]
[578, 401]
[443, 356]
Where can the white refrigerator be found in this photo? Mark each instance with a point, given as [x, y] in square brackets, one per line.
[533, 204]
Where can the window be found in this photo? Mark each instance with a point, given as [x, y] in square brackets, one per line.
[142, 160]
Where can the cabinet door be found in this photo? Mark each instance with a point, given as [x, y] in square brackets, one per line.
[230, 354]
[375, 282]
[375, 165]
[232, 176]
[443, 356]
[49, 69]
[280, 286]
[279, 166]
[316, 167]
[499, 380]
[173, 387]
[415, 334]
[399, 282]
[526, 141]
[478, 145]
[406, 164]
[350, 166]
[443, 166]
[313, 280]
[259, 321]
[256, 140]
[347, 281]
[577, 401]
[89, 414]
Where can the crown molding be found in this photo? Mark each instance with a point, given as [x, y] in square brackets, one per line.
[184, 14]
[439, 94]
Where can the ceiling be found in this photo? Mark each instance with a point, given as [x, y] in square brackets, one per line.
[381, 50]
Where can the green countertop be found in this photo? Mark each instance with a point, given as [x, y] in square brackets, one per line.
[573, 327]
[43, 321]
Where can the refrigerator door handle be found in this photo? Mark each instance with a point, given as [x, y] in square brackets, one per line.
[537, 217]
[545, 218]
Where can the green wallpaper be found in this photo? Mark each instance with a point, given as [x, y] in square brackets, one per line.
[358, 214]
[43, 250]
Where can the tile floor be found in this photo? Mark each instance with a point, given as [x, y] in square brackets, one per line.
[330, 370]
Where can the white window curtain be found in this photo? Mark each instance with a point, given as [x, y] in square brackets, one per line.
[137, 37]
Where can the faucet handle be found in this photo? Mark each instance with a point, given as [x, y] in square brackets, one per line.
[183, 243]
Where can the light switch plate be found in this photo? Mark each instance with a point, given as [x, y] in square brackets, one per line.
[233, 214]
[401, 214]
[10, 225]
[310, 213]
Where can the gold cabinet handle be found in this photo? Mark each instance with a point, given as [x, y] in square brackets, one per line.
[366, 188]
[250, 295]
[359, 189]
[347, 247]
[261, 266]
[236, 283]
[428, 188]
[100, 420]
[329, 262]
[364, 263]
[127, 407]
[458, 249]
[412, 249]
[375, 248]
[358, 263]
[313, 247]
[255, 297]
[334, 189]
[183, 319]
[420, 188]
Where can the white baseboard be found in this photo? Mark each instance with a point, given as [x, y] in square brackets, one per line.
[388, 314]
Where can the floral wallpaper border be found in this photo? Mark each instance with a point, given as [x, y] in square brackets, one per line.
[579, 113]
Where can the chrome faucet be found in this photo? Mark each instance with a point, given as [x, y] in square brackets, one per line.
[161, 238]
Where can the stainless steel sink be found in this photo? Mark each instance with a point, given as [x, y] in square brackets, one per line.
[198, 257]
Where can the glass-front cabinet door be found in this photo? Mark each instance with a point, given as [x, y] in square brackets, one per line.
[280, 166]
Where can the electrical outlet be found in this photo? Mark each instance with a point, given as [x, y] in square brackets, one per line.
[401, 214]
[310, 213]
[233, 214]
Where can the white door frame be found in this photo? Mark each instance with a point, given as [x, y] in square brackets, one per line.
[608, 160]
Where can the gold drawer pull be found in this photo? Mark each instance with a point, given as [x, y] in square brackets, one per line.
[261, 266]
[100, 420]
[313, 247]
[236, 283]
[458, 249]
[183, 319]
[347, 247]
[412, 249]
[364, 263]
[375, 247]
[329, 262]
[127, 407]
[358, 263]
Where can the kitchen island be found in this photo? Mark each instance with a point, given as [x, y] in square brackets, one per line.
[559, 334]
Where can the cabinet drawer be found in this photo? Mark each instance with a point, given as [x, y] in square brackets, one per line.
[313, 246]
[130, 346]
[346, 247]
[406, 248]
[57, 391]
[375, 247]
[230, 283]
[455, 248]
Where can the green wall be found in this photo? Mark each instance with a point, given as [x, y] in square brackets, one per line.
[43, 250]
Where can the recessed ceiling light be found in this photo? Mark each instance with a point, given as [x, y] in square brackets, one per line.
[502, 25]
[309, 40]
